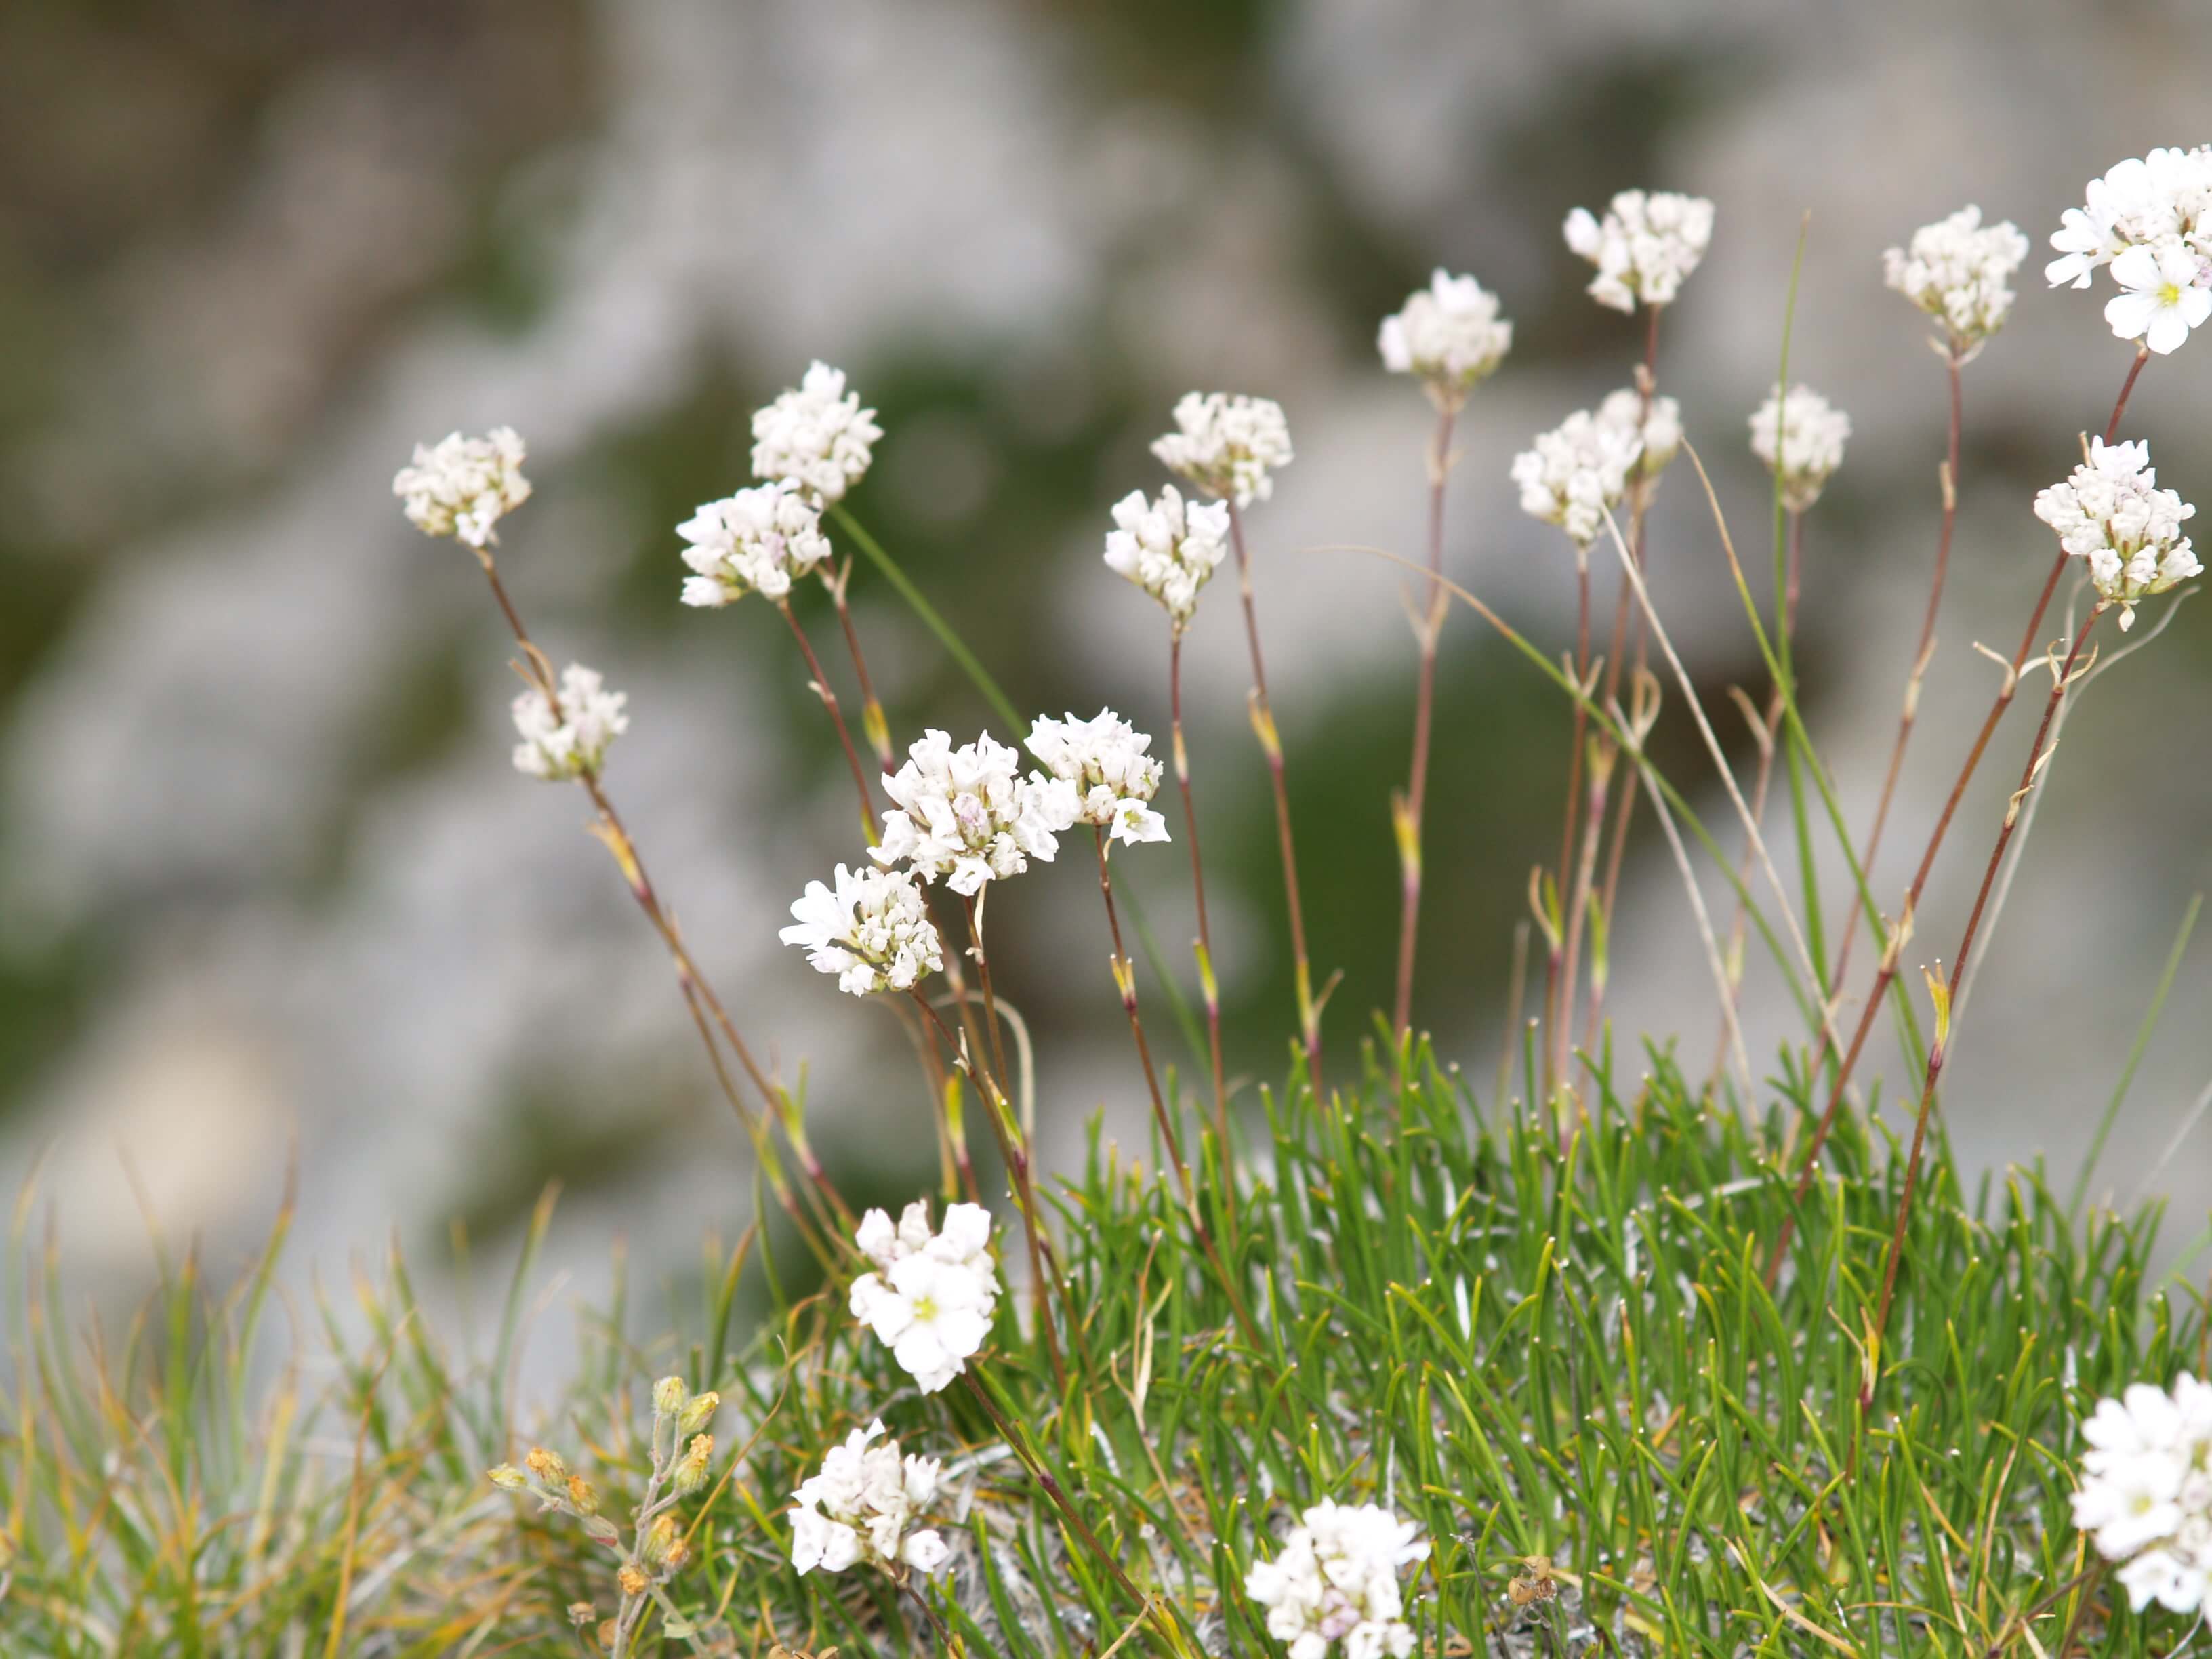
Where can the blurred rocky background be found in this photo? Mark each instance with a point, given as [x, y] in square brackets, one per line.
[270, 892]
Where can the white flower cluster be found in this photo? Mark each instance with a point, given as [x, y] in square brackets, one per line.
[572, 741]
[1105, 759]
[463, 486]
[931, 1296]
[1661, 433]
[1336, 1580]
[1449, 334]
[2150, 220]
[1228, 446]
[1169, 548]
[756, 540]
[1813, 433]
[872, 931]
[966, 814]
[2110, 513]
[2146, 1492]
[1957, 270]
[817, 436]
[1574, 474]
[1645, 247]
[862, 1504]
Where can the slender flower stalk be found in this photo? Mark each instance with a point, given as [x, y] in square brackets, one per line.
[1406, 808]
[1809, 1163]
[1270, 745]
[820, 682]
[2061, 681]
[1922, 650]
[1125, 981]
[873, 721]
[1209, 986]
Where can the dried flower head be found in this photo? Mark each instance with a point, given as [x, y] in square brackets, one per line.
[872, 930]
[1170, 548]
[966, 814]
[1335, 1579]
[1105, 759]
[862, 1507]
[932, 1294]
[1644, 248]
[1228, 446]
[462, 487]
[2150, 220]
[571, 741]
[758, 540]
[1450, 335]
[1575, 474]
[1656, 423]
[2146, 1492]
[1801, 439]
[1959, 270]
[817, 436]
[2109, 512]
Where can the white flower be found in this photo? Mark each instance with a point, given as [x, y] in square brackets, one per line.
[1449, 334]
[1645, 246]
[817, 436]
[1575, 473]
[1169, 548]
[2109, 512]
[570, 742]
[872, 931]
[1660, 432]
[968, 815]
[1813, 433]
[2146, 1492]
[2166, 193]
[2166, 293]
[1957, 270]
[1104, 759]
[1336, 1580]
[461, 486]
[861, 1506]
[932, 1295]
[756, 540]
[1228, 446]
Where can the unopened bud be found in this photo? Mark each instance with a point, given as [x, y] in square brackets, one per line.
[633, 1582]
[547, 1466]
[669, 1395]
[691, 1471]
[508, 1477]
[659, 1538]
[699, 1413]
[600, 1530]
[582, 1495]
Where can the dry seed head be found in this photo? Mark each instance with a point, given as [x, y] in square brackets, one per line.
[633, 1582]
[582, 1614]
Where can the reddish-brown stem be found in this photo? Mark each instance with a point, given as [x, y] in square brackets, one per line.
[1647, 388]
[871, 710]
[1810, 1159]
[1920, 652]
[1125, 981]
[2058, 687]
[1561, 1034]
[837, 718]
[1271, 743]
[1208, 986]
[1408, 828]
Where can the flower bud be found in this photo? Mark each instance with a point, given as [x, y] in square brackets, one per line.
[659, 1538]
[691, 1471]
[547, 1466]
[669, 1395]
[580, 1493]
[600, 1530]
[699, 1413]
[633, 1582]
[508, 1477]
